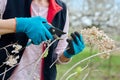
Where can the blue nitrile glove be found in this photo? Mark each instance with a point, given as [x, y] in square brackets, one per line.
[34, 28]
[75, 45]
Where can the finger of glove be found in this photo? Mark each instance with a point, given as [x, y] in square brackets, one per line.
[77, 41]
[48, 26]
[78, 48]
[48, 34]
[77, 34]
[43, 37]
[69, 41]
[80, 37]
[74, 38]
[70, 47]
[36, 39]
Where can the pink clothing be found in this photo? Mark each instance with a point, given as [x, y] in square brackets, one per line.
[32, 52]
[27, 63]
[38, 10]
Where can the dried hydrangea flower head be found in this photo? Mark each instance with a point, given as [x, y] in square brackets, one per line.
[99, 39]
[17, 48]
[12, 60]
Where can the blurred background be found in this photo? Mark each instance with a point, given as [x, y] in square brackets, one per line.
[104, 14]
[101, 13]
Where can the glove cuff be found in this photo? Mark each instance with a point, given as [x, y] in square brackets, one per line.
[66, 54]
[20, 24]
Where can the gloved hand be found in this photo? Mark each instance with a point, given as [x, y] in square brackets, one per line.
[34, 28]
[75, 45]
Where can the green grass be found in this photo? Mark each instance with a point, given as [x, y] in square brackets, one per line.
[100, 69]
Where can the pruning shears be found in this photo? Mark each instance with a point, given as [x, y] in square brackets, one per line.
[54, 31]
